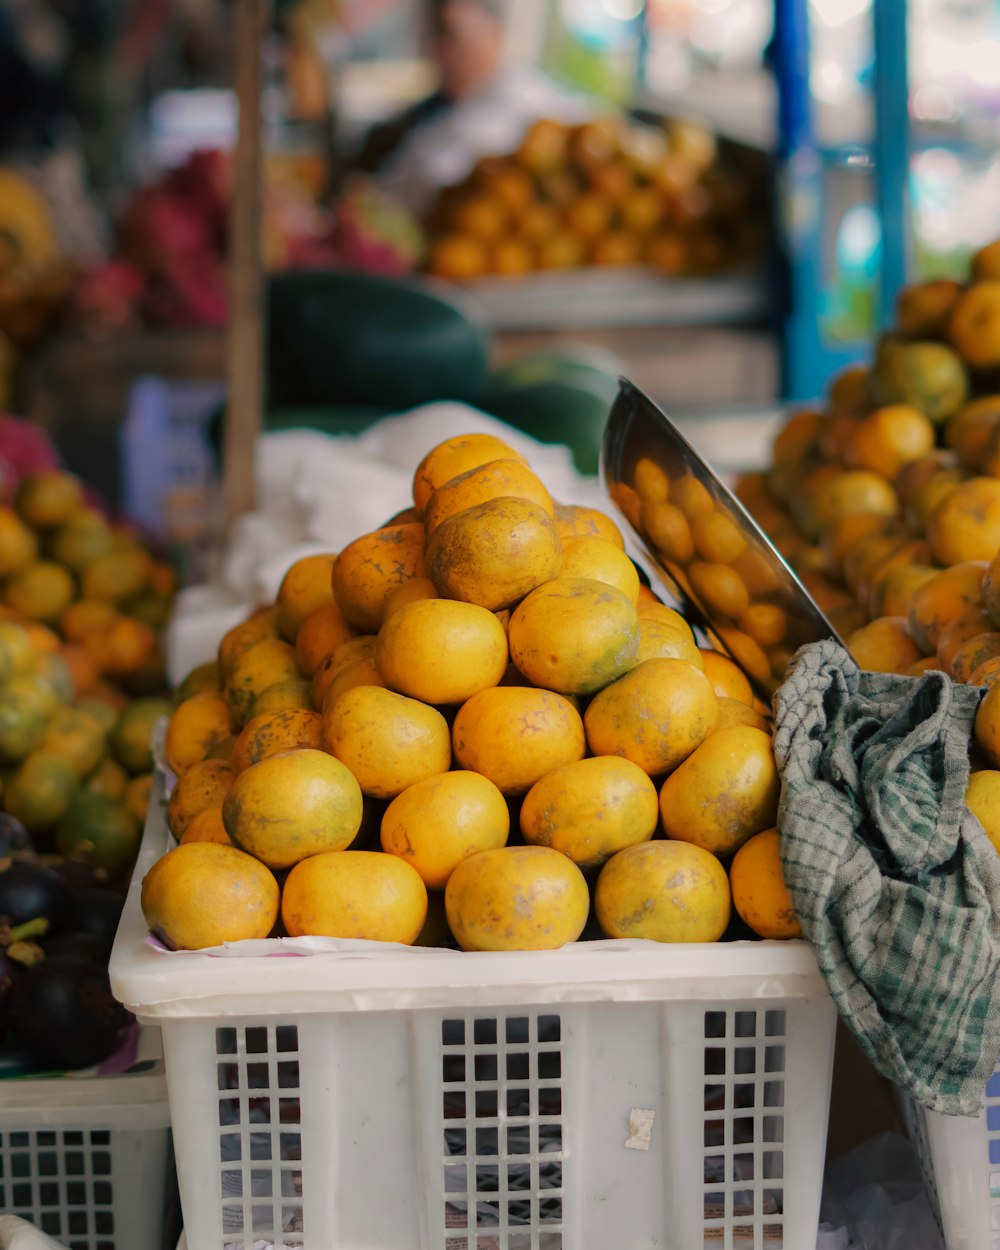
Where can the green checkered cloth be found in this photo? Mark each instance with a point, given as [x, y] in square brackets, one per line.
[895, 882]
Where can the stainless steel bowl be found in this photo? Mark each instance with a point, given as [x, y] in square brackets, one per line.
[708, 550]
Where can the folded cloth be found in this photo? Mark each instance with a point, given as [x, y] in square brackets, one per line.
[895, 882]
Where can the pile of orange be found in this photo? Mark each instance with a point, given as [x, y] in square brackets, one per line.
[473, 725]
[887, 500]
[607, 192]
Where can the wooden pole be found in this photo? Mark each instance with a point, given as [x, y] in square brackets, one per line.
[245, 348]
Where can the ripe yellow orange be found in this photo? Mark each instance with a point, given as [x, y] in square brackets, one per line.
[204, 784]
[516, 898]
[306, 586]
[601, 561]
[728, 679]
[942, 599]
[319, 635]
[355, 894]
[883, 646]
[888, 438]
[436, 823]
[117, 576]
[282, 695]
[987, 730]
[441, 651]
[765, 623]
[41, 591]
[76, 736]
[590, 810]
[735, 712]
[363, 672]
[691, 497]
[372, 566]
[970, 657]
[515, 734]
[719, 589]
[578, 520]
[760, 895]
[574, 635]
[196, 726]
[965, 525]
[204, 894]
[46, 499]
[415, 588]
[389, 742]
[455, 456]
[263, 624]
[849, 493]
[493, 554]
[87, 616]
[651, 481]
[665, 892]
[724, 792]
[717, 538]
[663, 636]
[669, 531]
[956, 633]
[495, 480]
[254, 670]
[207, 826]
[292, 805]
[655, 715]
[982, 797]
[270, 732]
[18, 544]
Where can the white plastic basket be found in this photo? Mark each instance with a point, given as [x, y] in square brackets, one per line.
[960, 1156]
[608, 1096]
[86, 1160]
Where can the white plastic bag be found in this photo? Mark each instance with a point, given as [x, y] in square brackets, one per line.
[18, 1234]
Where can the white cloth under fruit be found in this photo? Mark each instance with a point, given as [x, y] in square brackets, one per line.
[317, 492]
[18, 1234]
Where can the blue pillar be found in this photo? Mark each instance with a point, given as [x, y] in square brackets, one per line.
[892, 149]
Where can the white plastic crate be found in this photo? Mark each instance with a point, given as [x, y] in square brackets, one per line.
[960, 1156]
[86, 1160]
[608, 1096]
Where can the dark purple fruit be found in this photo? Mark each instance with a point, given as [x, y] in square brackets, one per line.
[97, 911]
[28, 891]
[75, 945]
[14, 838]
[63, 1014]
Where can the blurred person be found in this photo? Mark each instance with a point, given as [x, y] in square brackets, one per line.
[482, 106]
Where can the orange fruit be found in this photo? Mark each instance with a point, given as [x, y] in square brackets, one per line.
[271, 732]
[40, 790]
[665, 892]
[125, 647]
[724, 792]
[987, 674]
[458, 257]
[691, 497]
[18, 544]
[893, 588]
[849, 493]
[203, 894]
[584, 522]
[415, 588]
[956, 633]
[663, 638]
[516, 898]
[372, 566]
[760, 895]
[319, 635]
[131, 735]
[974, 324]
[942, 599]
[291, 805]
[87, 616]
[736, 712]
[982, 797]
[77, 737]
[601, 561]
[668, 530]
[883, 646]
[261, 625]
[436, 823]
[591, 809]
[197, 725]
[987, 730]
[493, 554]
[41, 591]
[388, 741]
[888, 438]
[991, 589]
[970, 657]
[574, 635]
[360, 648]
[495, 480]
[48, 498]
[717, 538]
[514, 735]
[455, 456]
[363, 672]
[728, 679]
[292, 692]
[965, 525]
[305, 587]
[207, 826]
[441, 651]
[655, 715]
[204, 785]
[651, 482]
[355, 894]
[82, 538]
[765, 623]
[117, 576]
[969, 431]
[137, 795]
[255, 669]
[719, 589]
